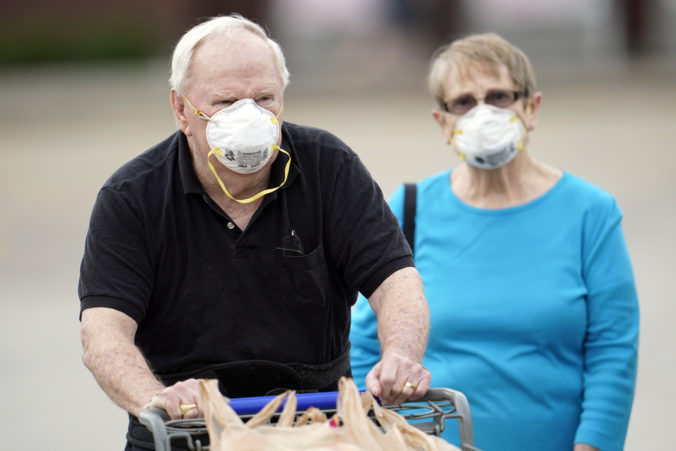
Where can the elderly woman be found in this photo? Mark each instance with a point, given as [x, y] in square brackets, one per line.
[534, 311]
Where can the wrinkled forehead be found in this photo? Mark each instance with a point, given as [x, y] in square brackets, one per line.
[463, 75]
[240, 54]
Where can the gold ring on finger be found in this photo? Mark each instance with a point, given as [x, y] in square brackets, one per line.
[185, 408]
[409, 385]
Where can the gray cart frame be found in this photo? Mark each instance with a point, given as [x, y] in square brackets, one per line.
[429, 414]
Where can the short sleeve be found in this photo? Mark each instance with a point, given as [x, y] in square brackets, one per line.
[371, 245]
[396, 203]
[115, 271]
[365, 347]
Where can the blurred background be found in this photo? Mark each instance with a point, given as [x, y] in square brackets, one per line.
[83, 88]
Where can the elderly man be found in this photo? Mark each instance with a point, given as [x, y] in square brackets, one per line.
[236, 247]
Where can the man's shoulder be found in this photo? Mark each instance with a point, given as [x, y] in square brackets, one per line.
[145, 167]
[312, 136]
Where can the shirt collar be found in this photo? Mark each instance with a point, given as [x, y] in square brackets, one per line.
[277, 170]
[191, 183]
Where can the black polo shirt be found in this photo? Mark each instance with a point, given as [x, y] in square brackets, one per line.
[205, 292]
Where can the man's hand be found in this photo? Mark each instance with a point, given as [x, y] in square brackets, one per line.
[403, 325]
[397, 378]
[181, 400]
[119, 367]
[108, 350]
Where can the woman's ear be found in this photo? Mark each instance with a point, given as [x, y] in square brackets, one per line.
[534, 105]
[440, 118]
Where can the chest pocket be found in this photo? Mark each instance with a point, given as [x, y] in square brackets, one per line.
[305, 281]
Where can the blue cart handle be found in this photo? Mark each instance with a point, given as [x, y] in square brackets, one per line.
[253, 404]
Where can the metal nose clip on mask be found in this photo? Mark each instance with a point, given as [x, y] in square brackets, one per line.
[243, 137]
[488, 137]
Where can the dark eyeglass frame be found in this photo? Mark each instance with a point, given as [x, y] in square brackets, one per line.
[501, 98]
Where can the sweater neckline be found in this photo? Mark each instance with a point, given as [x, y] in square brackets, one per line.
[507, 210]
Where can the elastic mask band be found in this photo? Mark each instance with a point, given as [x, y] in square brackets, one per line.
[199, 113]
[519, 145]
[452, 143]
[255, 196]
[275, 119]
[195, 110]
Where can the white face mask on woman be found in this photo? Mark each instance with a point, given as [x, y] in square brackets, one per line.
[488, 137]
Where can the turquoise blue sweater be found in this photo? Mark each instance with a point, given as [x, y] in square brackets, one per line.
[534, 315]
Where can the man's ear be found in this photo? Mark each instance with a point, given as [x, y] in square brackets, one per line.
[181, 110]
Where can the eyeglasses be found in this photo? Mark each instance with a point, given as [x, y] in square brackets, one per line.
[497, 97]
[292, 245]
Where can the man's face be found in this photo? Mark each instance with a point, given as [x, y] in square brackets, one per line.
[223, 71]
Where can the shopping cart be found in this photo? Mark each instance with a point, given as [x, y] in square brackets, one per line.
[429, 414]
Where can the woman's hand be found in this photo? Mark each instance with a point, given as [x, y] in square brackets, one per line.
[584, 447]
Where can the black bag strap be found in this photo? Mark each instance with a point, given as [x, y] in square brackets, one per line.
[409, 213]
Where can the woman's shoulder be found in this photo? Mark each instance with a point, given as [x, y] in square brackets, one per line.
[435, 182]
[594, 204]
[424, 187]
[432, 183]
[584, 191]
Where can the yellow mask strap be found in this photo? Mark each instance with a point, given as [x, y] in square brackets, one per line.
[452, 144]
[275, 119]
[255, 196]
[195, 110]
[519, 144]
[528, 109]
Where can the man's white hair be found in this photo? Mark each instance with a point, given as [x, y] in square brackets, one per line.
[185, 48]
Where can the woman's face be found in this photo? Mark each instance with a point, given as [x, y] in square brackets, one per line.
[462, 93]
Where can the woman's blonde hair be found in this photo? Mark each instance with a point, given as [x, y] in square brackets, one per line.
[487, 52]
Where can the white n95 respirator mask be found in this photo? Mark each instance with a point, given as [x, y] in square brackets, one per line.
[488, 137]
[243, 135]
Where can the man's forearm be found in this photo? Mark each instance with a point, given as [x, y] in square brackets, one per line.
[403, 314]
[117, 364]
